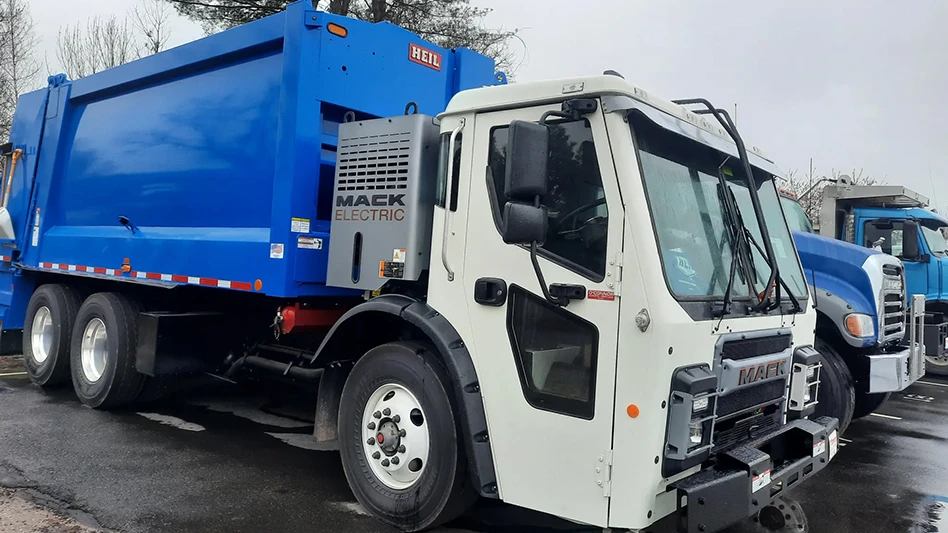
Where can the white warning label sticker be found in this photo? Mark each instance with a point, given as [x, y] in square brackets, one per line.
[36, 228]
[276, 250]
[760, 481]
[834, 443]
[398, 255]
[309, 243]
[299, 225]
[819, 448]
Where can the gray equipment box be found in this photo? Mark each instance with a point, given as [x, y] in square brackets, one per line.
[383, 201]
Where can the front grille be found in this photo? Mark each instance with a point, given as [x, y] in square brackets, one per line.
[730, 433]
[892, 318]
[746, 348]
[741, 399]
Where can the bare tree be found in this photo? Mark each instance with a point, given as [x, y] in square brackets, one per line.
[152, 19]
[102, 44]
[18, 66]
[447, 23]
[808, 186]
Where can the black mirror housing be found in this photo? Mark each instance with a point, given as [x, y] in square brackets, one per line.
[528, 147]
[524, 224]
[910, 251]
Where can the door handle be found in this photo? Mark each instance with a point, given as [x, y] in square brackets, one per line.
[490, 291]
[568, 291]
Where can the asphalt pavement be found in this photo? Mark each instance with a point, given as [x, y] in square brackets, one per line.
[240, 460]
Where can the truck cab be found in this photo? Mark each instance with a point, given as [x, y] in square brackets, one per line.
[863, 330]
[896, 221]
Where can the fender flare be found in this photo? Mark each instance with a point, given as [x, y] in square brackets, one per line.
[457, 360]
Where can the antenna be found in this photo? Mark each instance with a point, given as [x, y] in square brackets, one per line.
[932, 181]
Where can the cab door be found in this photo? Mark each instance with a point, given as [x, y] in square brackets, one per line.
[547, 372]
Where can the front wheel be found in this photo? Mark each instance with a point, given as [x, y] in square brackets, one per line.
[398, 438]
[867, 403]
[937, 365]
[837, 394]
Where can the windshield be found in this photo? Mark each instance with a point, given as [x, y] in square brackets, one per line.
[796, 216]
[936, 240]
[682, 185]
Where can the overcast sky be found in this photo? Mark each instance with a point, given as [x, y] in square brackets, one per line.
[849, 83]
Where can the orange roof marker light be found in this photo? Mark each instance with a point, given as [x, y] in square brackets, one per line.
[337, 30]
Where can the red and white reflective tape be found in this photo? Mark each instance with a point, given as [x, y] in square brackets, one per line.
[153, 276]
[194, 280]
[6, 258]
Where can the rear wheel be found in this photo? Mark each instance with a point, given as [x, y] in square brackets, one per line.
[103, 351]
[937, 365]
[837, 394]
[50, 317]
[398, 438]
[867, 403]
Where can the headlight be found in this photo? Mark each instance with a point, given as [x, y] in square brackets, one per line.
[892, 284]
[700, 405]
[860, 325]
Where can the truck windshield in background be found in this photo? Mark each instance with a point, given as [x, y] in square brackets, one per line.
[682, 184]
[796, 216]
[935, 237]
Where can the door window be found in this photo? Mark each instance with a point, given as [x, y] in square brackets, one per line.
[578, 215]
[890, 233]
[555, 352]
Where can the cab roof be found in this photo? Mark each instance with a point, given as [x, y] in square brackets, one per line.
[498, 97]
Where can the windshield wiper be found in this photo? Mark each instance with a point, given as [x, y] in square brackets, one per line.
[725, 120]
[780, 281]
[736, 237]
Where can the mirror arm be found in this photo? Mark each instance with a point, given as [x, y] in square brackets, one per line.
[555, 300]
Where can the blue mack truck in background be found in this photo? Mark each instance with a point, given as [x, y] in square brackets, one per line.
[868, 336]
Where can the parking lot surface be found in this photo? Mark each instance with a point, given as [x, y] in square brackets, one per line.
[237, 460]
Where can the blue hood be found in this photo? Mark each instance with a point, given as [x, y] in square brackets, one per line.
[837, 266]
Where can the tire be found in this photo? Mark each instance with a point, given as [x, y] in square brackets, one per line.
[47, 360]
[110, 380]
[441, 491]
[837, 394]
[936, 366]
[867, 403]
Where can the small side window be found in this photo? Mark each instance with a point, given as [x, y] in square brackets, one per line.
[556, 353]
[888, 235]
[443, 171]
[576, 202]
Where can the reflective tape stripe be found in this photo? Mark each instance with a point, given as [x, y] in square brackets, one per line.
[154, 276]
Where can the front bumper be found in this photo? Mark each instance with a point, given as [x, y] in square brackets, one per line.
[894, 371]
[749, 477]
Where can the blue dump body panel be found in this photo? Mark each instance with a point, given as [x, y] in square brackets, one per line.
[219, 153]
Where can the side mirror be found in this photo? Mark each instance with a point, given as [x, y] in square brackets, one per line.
[910, 250]
[524, 223]
[528, 146]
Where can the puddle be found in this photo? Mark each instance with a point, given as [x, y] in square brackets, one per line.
[172, 421]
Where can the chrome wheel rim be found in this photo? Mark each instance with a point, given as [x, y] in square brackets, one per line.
[41, 335]
[395, 436]
[94, 352]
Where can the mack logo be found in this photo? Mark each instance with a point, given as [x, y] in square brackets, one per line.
[762, 371]
[424, 57]
[376, 200]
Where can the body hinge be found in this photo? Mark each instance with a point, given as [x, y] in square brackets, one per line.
[604, 473]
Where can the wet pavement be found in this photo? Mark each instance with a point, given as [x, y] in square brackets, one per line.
[237, 460]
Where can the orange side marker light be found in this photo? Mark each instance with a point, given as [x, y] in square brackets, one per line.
[632, 410]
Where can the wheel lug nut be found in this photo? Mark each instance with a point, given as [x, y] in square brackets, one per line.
[386, 411]
[401, 449]
[371, 425]
[377, 414]
[376, 455]
[385, 462]
[396, 419]
[401, 433]
[394, 460]
[371, 441]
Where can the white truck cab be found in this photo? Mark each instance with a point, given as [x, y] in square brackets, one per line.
[652, 356]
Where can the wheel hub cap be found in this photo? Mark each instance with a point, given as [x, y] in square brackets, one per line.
[41, 335]
[94, 350]
[395, 436]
